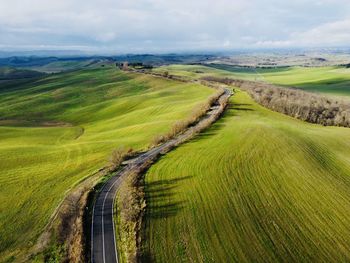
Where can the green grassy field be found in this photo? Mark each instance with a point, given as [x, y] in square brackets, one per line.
[257, 186]
[59, 66]
[198, 71]
[58, 130]
[328, 80]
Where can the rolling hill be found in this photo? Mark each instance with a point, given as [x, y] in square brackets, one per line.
[333, 81]
[9, 73]
[257, 186]
[56, 131]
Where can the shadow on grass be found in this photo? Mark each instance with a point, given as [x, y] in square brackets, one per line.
[160, 198]
[161, 194]
[240, 107]
[161, 204]
[243, 109]
[232, 110]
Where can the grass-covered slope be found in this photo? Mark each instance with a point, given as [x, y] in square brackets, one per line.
[58, 130]
[198, 71]
[9, 73]
[65, 65]
[327, 80]
[256, 187]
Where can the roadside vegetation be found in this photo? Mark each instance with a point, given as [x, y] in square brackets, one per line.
[197, 113]
[258, 186]
[56, 131]
[306, 106]
[130, 207]
[131, 203]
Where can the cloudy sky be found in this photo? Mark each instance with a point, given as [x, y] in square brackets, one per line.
[172, 25]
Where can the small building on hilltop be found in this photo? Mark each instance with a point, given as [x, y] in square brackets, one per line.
[125, 65]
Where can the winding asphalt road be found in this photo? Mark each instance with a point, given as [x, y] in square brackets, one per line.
[103, 243]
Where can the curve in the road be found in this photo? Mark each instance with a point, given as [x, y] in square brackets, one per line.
[103, 243]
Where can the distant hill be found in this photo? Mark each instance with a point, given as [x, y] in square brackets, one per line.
[37, 61]
[33, 61]
[50, 64]
[9, 73]
[165, 58]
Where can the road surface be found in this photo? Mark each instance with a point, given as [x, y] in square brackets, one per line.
[103, 243]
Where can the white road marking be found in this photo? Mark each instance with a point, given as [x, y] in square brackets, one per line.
[114, 232]
[103, 233]
[92, 233]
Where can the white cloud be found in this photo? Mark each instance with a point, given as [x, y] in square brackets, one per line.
[331, 34]
[161, 25]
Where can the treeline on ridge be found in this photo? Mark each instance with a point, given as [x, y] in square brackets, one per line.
[306, 106]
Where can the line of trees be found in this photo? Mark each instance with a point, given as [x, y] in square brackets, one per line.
[131, 197]
[306, 106]
[138, 65]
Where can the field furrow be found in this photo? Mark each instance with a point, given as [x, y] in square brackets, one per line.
[256, 187]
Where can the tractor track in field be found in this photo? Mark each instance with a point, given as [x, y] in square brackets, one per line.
[103, 243]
